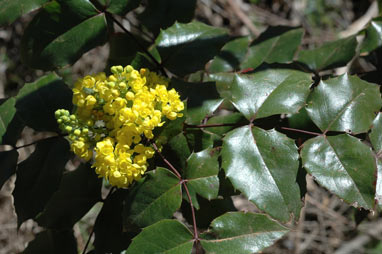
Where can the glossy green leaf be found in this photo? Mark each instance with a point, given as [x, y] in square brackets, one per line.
[37, 102]
[59, 35]
[242, 233]
[373, 36]
[202, 99]
[276, 45]
[10, 10]
[8, 163]
[164, 237]
[7, 112]
[232, 118]
[186, 48]
[345, 103]
[78, 191]
[329, 55]
[52, 241]
[265, 93]
[201, 139]
[158, 197]
[39, 176]
[343, 165]
[376, 134]
[162, 14]
[263, 165]
[202, 174]
[121, 7]
[122, 50]
[108, 228]
[177, 151]
[230, 56]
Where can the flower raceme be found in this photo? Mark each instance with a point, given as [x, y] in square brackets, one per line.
[112, 118]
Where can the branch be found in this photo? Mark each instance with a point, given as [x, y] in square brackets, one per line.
[183, 182]
[302, 131]
[37, 141]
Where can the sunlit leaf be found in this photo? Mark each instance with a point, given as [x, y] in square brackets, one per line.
[343, 165]
[263, 165]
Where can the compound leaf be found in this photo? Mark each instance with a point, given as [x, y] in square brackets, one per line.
[8, 162]
[343, 165]
[61, 33]
[10, 10]
[276, 45]
[78, 192]
[39, 176]
[264, 165]
[202, 174]
[329, 55]
[345, 103]
[52, 241]
[186, 48]
[163, 237]
[156, 198]
[264, 93]
[242, 233]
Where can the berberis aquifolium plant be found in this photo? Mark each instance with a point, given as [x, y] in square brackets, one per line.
[187, 118]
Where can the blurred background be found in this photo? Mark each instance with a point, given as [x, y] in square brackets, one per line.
[327, 225]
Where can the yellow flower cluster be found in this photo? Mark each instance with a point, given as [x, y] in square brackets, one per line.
[114, 115]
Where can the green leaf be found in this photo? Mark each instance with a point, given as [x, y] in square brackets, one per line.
[121, 7]
[376, 134]
[200, 139]
[208, 211]
[39, 176]
[37, 102]
[202, 174]
[122, 50]
[78, 191]
[265, 93]
[51, 241]
[373, 36]
[164, 237]
[329, 55]
[158, 197]
[177, 151]
[186, 48]
[263, 165]
[162, 14]
[343, 165]
[61, 33]
[108, 228]
[345, 103]
[8, 162]
[242, 233]
[230, 56]
[276, 45]
[7, 112]
[10, 10]
[202, 99]
[232, 118]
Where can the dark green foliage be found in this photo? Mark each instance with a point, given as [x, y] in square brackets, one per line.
[242, 97]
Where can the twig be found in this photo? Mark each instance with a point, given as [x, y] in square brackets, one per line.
[302, 131]
[37, 141]
[183, 182]
[243, 17]
[137, 42]
[189, 126]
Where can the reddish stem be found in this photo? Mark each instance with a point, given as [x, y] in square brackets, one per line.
[302, 131]
[212, 125]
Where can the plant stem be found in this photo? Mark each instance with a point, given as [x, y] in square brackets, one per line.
[212, 125]
[183, 182]
[137, 42]
[35, 142]
[302, 131]
[176, 172]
